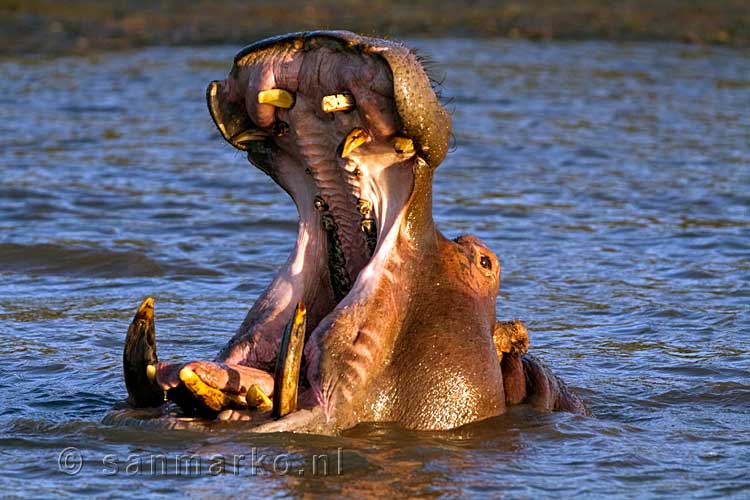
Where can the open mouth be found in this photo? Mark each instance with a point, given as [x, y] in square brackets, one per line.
[332, 142]
[346, 125]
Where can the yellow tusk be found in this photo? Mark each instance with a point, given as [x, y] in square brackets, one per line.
[146, 310]
[151, 373]
[286, 376]
[403, 145]
[276, 97]
[355, 139]
[337, 102]
[256, 398]
[211, 397]
[139, 358]
[249, 136]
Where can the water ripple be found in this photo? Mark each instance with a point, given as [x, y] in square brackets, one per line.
[610, 179]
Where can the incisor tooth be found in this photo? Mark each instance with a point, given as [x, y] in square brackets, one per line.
[211, 397]
[256, 398]
[355, 139]
[337, 102]
[146, 309]
[276, 97]
[403, 145]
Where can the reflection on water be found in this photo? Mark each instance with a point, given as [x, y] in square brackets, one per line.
[612, 181]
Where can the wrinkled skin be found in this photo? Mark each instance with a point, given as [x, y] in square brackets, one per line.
[400, 320]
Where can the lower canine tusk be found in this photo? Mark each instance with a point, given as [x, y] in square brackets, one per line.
[276, 97]
[211, 397]
[337, 102]
[355, 139]
[139, 358]
[286, 377]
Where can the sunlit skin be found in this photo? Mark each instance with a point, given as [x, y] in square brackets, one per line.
[398, 322]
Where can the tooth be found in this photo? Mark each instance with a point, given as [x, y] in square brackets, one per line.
[276, 97]
[355, 139]
[208, 395]
[286, 377]
[338, 102]
[364, 206]
[403, 145]
[146, 310]
[151, 373]
[328, 223]
[320, 204]
[211, 397]
[367, 225]
[256, 398]
[357, 172]
[138, 356]
[249, 135]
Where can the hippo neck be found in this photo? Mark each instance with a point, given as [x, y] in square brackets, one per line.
[364, 330]
[419, 225]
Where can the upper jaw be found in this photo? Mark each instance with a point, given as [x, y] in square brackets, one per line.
[418, 113]
[325, 108]
[323, 114]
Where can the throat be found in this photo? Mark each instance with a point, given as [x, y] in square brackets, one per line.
[346, 220]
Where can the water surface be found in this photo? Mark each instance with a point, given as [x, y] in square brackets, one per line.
[611, 180]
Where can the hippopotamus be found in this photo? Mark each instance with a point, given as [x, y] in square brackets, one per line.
[376, 316]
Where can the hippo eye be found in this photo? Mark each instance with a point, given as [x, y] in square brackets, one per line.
[485, 262]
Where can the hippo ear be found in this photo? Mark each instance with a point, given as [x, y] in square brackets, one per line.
[423, 118]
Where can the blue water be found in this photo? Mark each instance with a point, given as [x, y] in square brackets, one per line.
[613, 181]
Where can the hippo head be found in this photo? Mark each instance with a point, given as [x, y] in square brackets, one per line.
[375, 316]
[344, 124]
